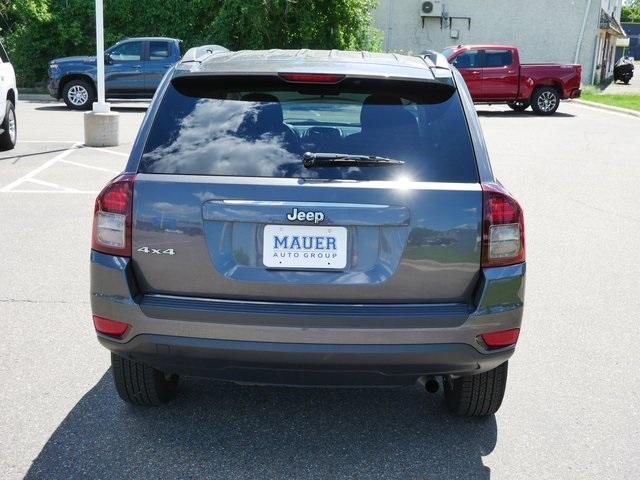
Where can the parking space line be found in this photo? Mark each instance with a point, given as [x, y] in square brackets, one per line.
[37, 181]
[49, 141]
[106, 150]
[44, 166]
[85, 192]
[92, 167]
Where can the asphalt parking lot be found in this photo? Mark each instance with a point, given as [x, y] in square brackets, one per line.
[571, 409]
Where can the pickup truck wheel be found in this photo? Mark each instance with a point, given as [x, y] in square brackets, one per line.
[140, 384]
[78, 94]
[545, 101]
[476, 395]
[10, 128]
[519, 105]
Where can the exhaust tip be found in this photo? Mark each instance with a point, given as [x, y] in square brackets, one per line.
[431, 385]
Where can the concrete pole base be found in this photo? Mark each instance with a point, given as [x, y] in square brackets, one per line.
[101, 129]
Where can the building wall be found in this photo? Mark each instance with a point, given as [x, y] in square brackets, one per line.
[633, 31]
[612, 7]
[606, 44]
[544, 30]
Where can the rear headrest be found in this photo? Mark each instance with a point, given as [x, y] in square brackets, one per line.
[270, 110]
[381, 110]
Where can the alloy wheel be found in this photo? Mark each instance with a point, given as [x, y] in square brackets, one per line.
[12, 126]
[547, 101]
[78, 95]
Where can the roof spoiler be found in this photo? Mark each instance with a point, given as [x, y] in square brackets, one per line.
[437, 59]
[437, 62]
[198, 54]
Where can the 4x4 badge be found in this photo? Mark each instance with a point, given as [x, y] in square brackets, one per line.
[301, 216]
[157, 251]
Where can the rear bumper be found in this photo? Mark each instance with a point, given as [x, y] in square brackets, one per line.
[292, 343]
[304, 364]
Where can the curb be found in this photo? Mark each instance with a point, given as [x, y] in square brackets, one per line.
[610, 108]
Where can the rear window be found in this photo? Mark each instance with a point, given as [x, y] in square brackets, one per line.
[263, 130]
[158, 50]
[498, 58]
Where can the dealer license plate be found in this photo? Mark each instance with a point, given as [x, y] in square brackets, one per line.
[301, 247]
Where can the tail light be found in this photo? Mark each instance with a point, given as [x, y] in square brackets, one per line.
[112, 217]
[502, 228]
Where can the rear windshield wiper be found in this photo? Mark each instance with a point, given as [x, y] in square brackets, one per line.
[315, 160]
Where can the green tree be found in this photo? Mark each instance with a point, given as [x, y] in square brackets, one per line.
[340, 24]
[7, 17]
[631, 11]
[36, 31]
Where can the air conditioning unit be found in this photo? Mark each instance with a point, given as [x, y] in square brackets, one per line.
[431, 8]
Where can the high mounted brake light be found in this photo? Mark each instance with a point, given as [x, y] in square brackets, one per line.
[502, 228]
[311, 77]
[112, 217]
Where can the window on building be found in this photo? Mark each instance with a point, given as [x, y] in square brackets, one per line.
[498, 58]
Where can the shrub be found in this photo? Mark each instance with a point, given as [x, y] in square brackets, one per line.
[36, 31]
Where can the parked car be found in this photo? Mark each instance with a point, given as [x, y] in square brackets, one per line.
[310, 217]
[8, 100]
[494, 74]
[133, 69]
[623, 70]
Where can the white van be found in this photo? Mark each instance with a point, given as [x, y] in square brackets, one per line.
[8, 99]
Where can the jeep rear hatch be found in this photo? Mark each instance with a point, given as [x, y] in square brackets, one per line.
[223, 188]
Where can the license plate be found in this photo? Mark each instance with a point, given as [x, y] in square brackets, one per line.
[301, 247]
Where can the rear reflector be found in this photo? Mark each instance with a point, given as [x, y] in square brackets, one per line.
[312, 77]
[502, 228]
[503, 338]
[112, 217]
[110, 327]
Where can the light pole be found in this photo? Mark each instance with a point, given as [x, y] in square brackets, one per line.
[101, 124]
[100, 106]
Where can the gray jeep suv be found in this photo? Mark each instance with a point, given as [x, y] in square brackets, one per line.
[310, 217]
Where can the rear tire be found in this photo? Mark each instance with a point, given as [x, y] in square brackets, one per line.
[78, 94]
[519, 105]
[140, 384]
[476, 395]
[9, 136]
[545, 101]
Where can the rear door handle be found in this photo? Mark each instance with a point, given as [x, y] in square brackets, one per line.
[136, 66]
[475, 72]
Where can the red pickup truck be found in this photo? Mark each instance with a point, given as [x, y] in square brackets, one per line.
[494, 74]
